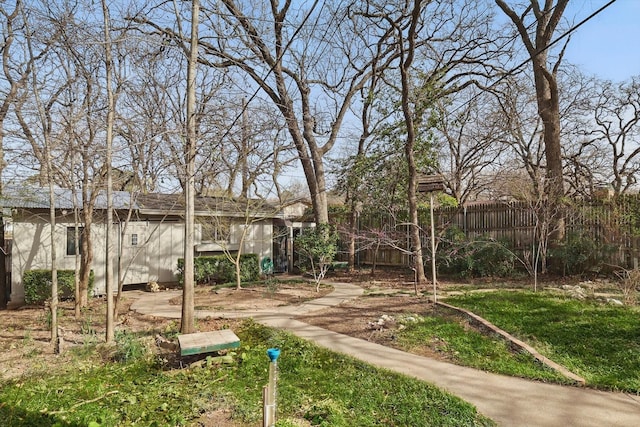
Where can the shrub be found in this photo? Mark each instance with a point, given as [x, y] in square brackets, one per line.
[249, 267]
[219, 269]
[480, 257]
[317, 247]
[579, 254]
[37, 285]
[493, 258]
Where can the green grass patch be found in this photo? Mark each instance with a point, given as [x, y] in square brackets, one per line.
[599, 342]
[321, 386]
[453, 338]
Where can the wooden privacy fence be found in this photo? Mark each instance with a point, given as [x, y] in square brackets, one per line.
[384, 239]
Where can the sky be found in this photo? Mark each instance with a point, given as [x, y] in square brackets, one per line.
[608, 45]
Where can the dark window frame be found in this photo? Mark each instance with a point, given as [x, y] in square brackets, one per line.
[71, 240]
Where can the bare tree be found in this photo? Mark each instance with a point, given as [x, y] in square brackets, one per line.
[253, 149]
[519, 130]
[152, 116]
[8, 96]
[545, 20]
[84, 124]
[407, 54]
[188, 315]
[111, 110]
[617, 131]
[44, 118]
[303, 72]
[241, 220]
[442, 49]
[469, 146]
[17, 67]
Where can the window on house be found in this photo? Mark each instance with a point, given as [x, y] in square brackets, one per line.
[71, 240]
[134, 239]
[216, 230]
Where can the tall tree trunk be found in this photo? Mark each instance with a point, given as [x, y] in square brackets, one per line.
[3, 270]
[108, 264]
[545, 78]
[406, 60]
[77, 258]
[549, 111]
[353, 231]
[188, 314]
[9, 37]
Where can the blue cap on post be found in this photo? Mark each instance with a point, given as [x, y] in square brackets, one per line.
[273, 354]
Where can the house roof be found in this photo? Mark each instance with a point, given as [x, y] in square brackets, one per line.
[146, 204]
[38, 198]
[157, 203]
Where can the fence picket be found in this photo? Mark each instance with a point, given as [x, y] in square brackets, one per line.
[605, 221]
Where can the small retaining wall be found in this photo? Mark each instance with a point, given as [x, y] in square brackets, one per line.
[521, 345]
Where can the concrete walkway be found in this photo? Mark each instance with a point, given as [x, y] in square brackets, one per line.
[508, 401]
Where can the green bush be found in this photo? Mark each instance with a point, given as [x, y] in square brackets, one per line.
[37, 285]
[579, 254]
[493, 258]
[128, 347]
[480, 257]
[219, 269]
[317, 248]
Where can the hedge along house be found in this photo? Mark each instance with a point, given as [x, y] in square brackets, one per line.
[148, 245]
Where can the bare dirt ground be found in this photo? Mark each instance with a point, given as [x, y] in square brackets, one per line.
[25, 334]
[25, 338]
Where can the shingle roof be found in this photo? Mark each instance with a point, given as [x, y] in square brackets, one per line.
[38, 198]
[174, 203]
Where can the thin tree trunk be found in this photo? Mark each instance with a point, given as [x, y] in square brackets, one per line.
[86, 255]
[3, 270]
[353, 231]
[54, 267]
[77, 258]
[188, 314]
[109, 336]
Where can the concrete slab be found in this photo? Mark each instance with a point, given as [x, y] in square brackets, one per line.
[207, 342]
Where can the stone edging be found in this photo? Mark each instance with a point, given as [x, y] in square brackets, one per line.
[518, 344]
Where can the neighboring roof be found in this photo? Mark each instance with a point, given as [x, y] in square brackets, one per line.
[38, 198]
[157, 203]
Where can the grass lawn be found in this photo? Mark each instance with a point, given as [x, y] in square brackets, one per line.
[598, 342]
[315, 384]
[450, 335]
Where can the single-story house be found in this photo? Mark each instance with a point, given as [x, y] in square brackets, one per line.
[149, 243]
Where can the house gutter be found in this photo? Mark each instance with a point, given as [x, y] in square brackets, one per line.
[180, 213]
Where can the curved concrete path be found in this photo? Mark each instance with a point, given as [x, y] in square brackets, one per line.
[507, 400]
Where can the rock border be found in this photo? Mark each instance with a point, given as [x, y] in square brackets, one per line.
[578, 380]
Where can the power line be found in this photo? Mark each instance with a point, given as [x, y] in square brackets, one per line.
[547, 47]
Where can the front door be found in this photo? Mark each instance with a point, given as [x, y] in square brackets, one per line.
[134, 254]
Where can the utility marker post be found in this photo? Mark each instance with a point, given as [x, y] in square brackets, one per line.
[269, 392]
[430, 184]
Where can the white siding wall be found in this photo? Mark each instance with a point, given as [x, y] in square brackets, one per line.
[31, 251]
[155, 257]
[166, 245]
[259, 240]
